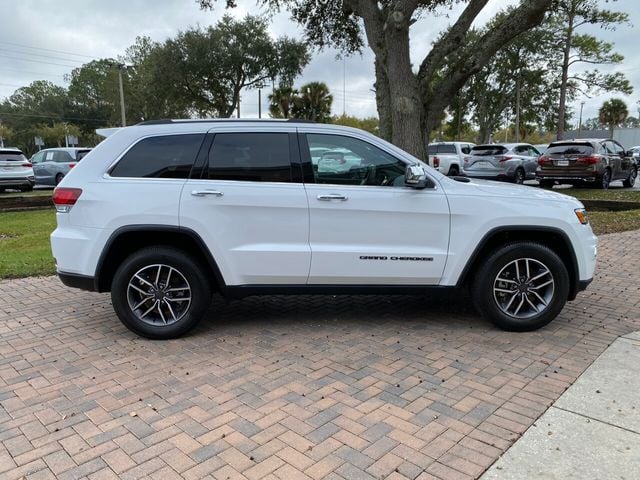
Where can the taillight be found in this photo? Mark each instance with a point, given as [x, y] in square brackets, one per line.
[29, 165]
[504, 158]
[590, 160]
[71, 165]
[65, 198]
[543, 160]
[436, 162]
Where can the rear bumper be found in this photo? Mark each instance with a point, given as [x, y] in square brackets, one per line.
[74, 280]
[17, 182]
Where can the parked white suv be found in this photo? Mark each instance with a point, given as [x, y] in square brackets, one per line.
[448, 157]
[164, 213]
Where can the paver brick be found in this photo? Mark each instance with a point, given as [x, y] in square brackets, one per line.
[289, 387]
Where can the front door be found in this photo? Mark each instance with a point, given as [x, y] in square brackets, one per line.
[366, 227]
[250, 208]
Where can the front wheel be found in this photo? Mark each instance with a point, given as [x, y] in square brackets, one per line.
[631, 180]
[521, 286]
[160, 292]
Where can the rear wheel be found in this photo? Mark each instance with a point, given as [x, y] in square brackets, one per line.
[160, 292]
[521, 287]
[454, 171]
[59, 178]
[631, 179]
[519, 177]
[605, 180]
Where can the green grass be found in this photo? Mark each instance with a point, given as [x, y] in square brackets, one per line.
[617, 194]
[611, 222]
[24, 243]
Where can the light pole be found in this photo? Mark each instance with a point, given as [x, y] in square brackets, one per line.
[580, 122]
[121, 67]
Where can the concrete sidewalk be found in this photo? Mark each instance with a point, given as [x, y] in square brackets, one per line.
[591, 431]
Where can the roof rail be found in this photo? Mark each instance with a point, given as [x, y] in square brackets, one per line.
[167, 121]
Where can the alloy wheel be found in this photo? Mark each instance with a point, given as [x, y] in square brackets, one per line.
[523, 288]
[159, 295]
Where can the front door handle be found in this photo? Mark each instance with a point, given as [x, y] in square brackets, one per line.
[333, 196]
[202, 193]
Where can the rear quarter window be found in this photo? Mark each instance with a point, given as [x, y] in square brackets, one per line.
[168, 156]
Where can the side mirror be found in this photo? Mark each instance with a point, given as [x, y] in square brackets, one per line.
[416, 177]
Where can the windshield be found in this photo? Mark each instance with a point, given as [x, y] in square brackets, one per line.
[488, 150]
[571, 149]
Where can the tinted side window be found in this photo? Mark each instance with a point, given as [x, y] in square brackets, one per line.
[251, 157]
[37, 158]
[618, 148]
[169, 156]
[62, 157]
[446, 148]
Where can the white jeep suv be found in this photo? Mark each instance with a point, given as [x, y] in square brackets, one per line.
[164, 213]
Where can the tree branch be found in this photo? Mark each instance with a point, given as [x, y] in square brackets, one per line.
[451, 40]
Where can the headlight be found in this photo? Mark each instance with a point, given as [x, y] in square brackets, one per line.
[581, 213]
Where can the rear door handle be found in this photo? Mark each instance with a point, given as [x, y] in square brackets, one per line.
[202, 193]
[332, 196]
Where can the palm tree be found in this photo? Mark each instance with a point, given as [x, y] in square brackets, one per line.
[314, 102]
[281, 102]
[613, 113]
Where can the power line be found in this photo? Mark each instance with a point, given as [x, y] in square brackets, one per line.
[33, 73]
[13, 52]
[49, 50]
[38, 61]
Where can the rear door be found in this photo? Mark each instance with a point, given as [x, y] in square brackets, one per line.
[249, 206]
[625, 162]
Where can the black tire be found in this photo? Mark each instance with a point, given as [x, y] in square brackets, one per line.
[186, 273]
[26, 189]
[605, 181]
[546, 184]
[519, 176]
[59, 178]
[499, 262]
[454, 171]
[631, 179]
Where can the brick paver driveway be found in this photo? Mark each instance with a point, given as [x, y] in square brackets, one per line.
[295, 387]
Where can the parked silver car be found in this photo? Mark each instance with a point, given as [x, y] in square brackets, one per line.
[52, 164]
[515, 162]
[15, 170]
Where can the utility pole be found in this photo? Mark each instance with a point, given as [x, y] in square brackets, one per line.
[1, 137]
[122, 111]
[580, 121]
[238, 105]
[259, 103]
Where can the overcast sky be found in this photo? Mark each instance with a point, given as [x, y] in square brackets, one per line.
[65, 34]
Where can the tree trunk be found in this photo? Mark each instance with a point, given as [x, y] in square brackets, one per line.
[562, 108]
[406, 107]
[383, 101]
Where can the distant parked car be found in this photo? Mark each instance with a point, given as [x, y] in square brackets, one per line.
[52, 164]
[515, 162]
[15, 170]
[635, 151]
[447, 157]
[596, 162]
